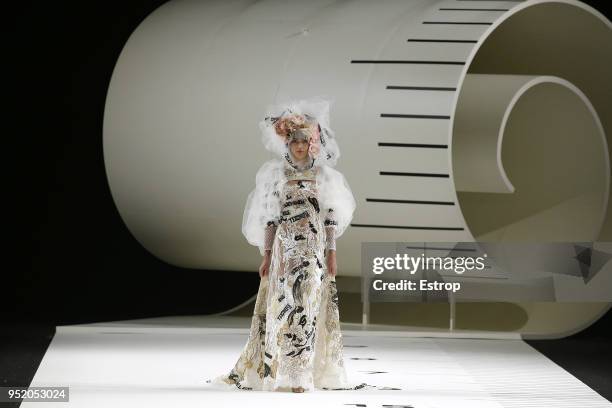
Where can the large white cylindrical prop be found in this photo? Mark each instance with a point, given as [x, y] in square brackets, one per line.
[457, 120]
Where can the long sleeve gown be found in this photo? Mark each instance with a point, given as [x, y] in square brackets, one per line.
[295, 338]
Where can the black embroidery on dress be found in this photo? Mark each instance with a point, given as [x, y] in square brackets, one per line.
[301, 184]
[315, 203]
[299, 237]
[312, 227]
[286, 212]
[298, 353]
[308, 337]
[262, 327]
[300, 344]
[298, 309]
[282, 313]
[267, 370]
[318, 263]
[297, 288]
[330, 222]
[295, 202]
[269, 223]
[299, 216]
[301, 266]
[280, 299]
[235, 379]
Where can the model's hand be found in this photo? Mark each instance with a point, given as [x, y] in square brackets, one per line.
[331, 262]
[265, 264]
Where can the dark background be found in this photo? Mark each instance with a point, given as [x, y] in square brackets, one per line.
[75, 261]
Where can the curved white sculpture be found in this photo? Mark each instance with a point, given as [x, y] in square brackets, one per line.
[181, 142]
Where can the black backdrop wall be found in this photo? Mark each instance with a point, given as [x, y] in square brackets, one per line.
[78, 262]
[81, 262]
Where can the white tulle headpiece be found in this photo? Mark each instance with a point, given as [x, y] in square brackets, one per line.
[304, 118]
[283, 123]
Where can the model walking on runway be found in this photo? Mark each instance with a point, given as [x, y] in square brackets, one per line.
[299, 207]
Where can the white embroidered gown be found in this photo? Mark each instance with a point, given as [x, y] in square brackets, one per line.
[295, 338]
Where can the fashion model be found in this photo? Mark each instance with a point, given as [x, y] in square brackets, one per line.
[299, 207]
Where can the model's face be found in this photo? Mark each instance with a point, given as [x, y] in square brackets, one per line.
[299, 148]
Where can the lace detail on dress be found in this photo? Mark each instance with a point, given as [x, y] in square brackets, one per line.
[295, 338]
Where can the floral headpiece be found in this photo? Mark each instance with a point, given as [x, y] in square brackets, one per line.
[294, 126]
[303, 119]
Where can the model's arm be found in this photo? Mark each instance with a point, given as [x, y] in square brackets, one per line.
[330, 240]
[330, 229]
[272, 224]
[269, 235]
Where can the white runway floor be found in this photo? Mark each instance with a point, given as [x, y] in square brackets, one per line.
[166, 363]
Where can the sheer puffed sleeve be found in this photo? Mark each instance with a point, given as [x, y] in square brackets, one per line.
[335, 195]
[262, 209]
